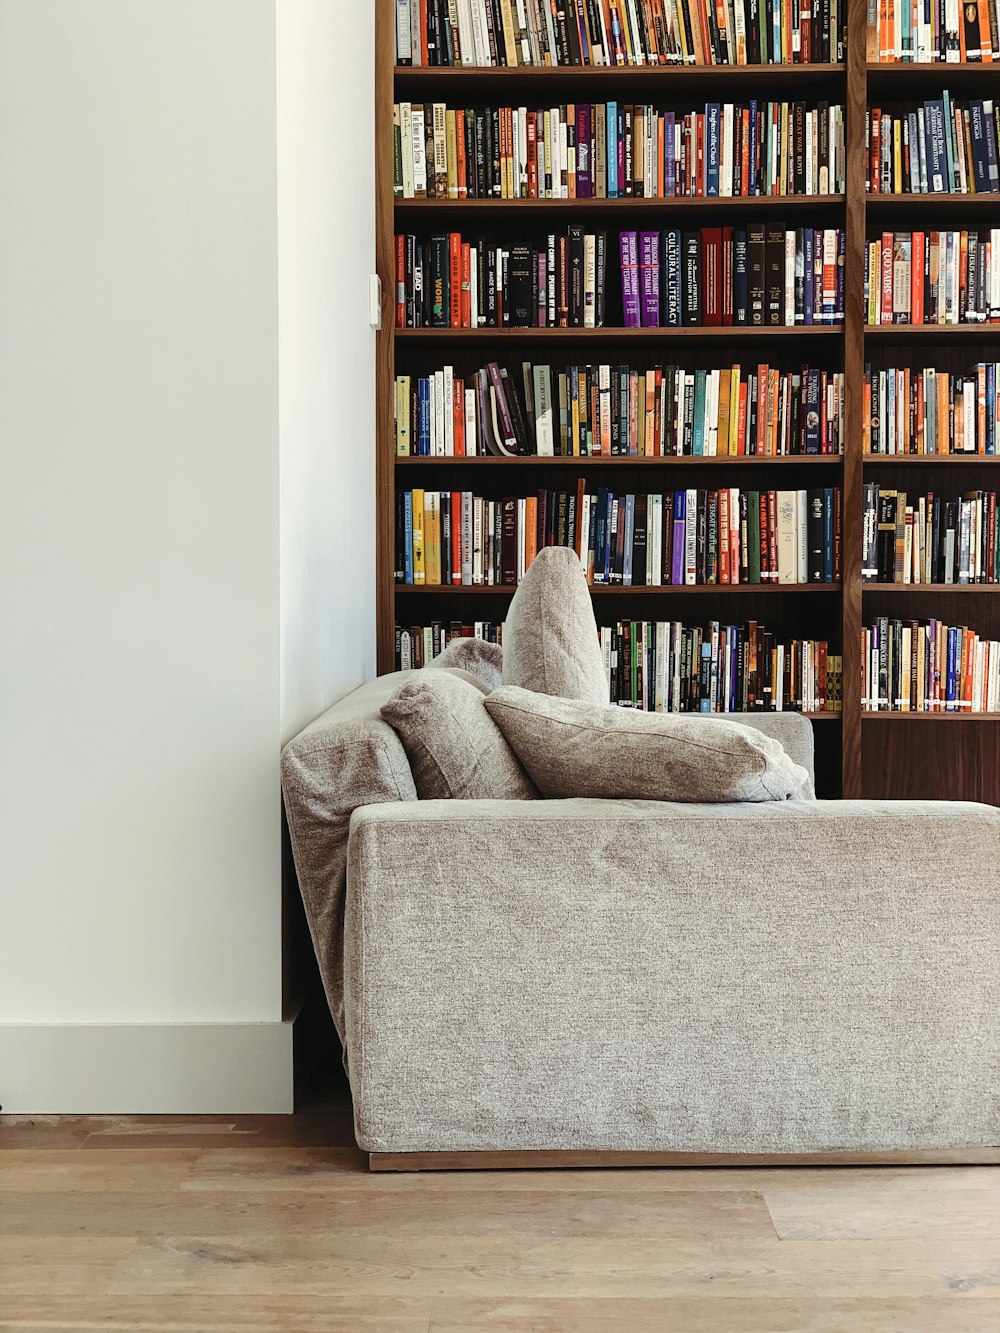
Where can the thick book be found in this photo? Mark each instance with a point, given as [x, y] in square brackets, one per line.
[629, 258]
[649, 278]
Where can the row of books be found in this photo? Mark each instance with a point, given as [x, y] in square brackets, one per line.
[929, 539]
[928, 411]
[511, 33]
[952, 31]
[668, 667]
[936, 277]
[758, 275]
[611, 150]
[926, 666]
[942, 147]
[450, 282]
[726, 536]
[690, 537]
[716, 276]
[418, 645]
[620, 411]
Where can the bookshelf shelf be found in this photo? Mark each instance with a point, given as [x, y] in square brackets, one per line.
[902, 333]
[642, 590]
[871, 716]
[757, 203]
[665, 78]
[958, 203]
[930, 460]
[620, 460]
[699, 333]
[935, 589]
[884, 762]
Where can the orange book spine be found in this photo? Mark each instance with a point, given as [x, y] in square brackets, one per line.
[944, 396]
[423, 32]
[985, 40]
[400, 281]
[723, 542]
[466, 301]
[661, 170]
[530, 529]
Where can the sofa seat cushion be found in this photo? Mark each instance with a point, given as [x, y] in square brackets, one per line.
[455, 749]
[571, 748]
[550, 642]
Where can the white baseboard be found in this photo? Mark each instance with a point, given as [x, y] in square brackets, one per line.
[146, 1069]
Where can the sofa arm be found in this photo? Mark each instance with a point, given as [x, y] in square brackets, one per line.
[794, 977]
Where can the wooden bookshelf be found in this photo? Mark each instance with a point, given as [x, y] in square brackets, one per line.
[857, 757]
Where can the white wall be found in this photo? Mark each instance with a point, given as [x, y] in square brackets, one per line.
[326, 249]
[142, 698]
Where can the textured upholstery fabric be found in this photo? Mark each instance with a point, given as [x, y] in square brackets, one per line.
[792, 731]
[479, 658]
[455, 748]
[550, 642]
[346, 758]
[580, 749]
[783, 977]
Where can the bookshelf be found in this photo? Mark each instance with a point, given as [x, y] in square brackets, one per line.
[858, 753]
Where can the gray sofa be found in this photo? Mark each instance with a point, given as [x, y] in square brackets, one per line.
[602, 977]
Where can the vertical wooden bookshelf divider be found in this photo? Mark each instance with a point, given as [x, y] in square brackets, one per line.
[858, 754]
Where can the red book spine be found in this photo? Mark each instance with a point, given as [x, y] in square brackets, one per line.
[727, 275]
[460, 162]
[887, 237]
[400, 282]
[455, 280]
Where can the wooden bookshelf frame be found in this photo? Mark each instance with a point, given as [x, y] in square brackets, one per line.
[867, 760]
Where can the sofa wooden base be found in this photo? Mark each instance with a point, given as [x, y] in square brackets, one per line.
[555, 1160]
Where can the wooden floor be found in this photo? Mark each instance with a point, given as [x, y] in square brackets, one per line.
[264, 1224]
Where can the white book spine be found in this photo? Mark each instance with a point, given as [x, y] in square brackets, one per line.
[471, 442]
[447, 407]
[691, 537]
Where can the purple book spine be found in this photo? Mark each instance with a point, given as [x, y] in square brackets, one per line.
[680, 536]
[628, 250]
[543, 293]
[649, 278]
[584, 154]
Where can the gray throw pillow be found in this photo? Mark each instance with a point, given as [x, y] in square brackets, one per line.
[455, 749]
[550, 642]
[479, 658]
[579, 749]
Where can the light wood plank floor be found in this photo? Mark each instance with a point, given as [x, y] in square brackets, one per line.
[261, 1224]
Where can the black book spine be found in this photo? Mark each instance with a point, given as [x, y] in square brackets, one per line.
[600, 276]
[692, 277]
[520, 285]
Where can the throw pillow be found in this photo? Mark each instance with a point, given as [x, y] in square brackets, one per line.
[579, 749]
[456, 750]
[550, 642]
[477, 657]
